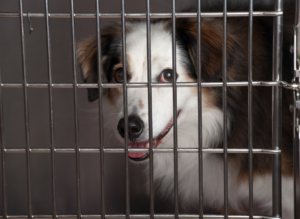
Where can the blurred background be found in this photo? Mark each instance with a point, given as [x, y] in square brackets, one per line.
[63, 106]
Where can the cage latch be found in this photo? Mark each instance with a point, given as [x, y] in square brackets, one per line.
[29, 21]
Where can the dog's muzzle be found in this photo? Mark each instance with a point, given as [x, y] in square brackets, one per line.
[135, 129]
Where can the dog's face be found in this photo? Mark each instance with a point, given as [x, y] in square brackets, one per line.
[162, 97]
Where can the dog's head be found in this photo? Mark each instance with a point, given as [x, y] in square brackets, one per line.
[162, 72]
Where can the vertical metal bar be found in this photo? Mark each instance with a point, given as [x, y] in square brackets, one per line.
[26, 112]
[224, 67]
[250, 79]
[297, 39]
[76, 113]
[125, 103]
[296, 132]
[200, 157]
[175, 111]
[51, 112]
[276, 109]
[2, 146]
[150, 110]
[297, 18]
[100, 89]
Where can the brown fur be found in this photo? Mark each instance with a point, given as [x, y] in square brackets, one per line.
[141, 105]
[237, 70]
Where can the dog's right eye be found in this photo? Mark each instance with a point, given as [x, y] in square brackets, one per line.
[119, 75]
[166, 76]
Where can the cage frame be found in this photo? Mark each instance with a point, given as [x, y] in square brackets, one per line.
[277, 84]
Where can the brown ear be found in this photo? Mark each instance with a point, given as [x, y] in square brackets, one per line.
[87, 55]
[87, 58]
[211, 46]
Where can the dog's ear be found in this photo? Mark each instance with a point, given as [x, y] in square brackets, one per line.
[211, 46]
[87, 56]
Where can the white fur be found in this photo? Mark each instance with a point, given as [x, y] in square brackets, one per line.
[212, 127]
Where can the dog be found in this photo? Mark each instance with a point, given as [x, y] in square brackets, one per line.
[187, 104]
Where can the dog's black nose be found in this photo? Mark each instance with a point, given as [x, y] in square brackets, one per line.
[135, 127]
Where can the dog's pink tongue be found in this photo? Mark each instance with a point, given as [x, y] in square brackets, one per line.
[137, 145]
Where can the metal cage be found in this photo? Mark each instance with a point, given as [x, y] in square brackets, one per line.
[277, 85]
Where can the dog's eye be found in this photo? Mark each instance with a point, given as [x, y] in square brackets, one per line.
[166, 75]
[119, 75]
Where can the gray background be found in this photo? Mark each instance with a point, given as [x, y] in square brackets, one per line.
[63, 101]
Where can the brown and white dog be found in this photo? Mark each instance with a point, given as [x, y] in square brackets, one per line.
[187, 105]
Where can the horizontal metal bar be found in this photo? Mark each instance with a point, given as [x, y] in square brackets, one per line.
[139, 150]
[143, 15]
[141, 85]
[193, 150]
[142, 216]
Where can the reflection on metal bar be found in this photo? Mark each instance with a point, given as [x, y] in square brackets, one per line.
[276, 110]
[150, 126]
[100, 94]
[125, 104]
[297, 40]
[141, 85]
[175, 137]
[25, 90]
[2, 146]
[199, 80]
[139, 150]
[144, 15]
[224, 100]
[54, 211]
[250, 79]
[78, 187]
[162, 216]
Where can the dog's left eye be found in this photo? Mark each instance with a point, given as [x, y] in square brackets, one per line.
[166, 75]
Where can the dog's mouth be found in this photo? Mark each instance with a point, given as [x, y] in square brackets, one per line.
[145, 144]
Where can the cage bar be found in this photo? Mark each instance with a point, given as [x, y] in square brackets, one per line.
[175, 137]
[28, 163]
[155, 150]
[100, 94]
[224, 98]
[150, 111]
[200, 146]
[137, 216]
[296, 39]
[276, 110]
[2, 146]
[154, 84]
[125, 103]
[250, 129]
[78, 187]
[50, 88]
[144, 15]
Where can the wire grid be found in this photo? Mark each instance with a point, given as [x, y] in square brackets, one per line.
[276, 85]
